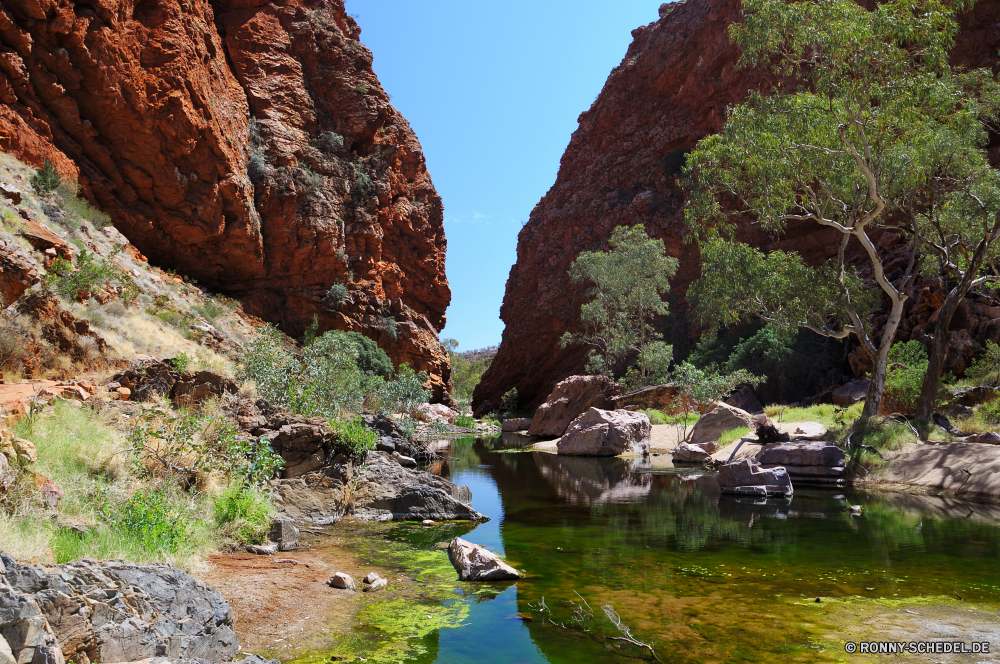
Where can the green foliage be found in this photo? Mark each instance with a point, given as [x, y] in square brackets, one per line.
[181, 362]
[465, 375]
[905, 376]
[324, 380]
[189, 443]
[210, 310]
[465, 421]
[881, 133]
[149, 519]
[90, 274]
[985, 370]
[701, 389]
[244, 513]
[371, 358]
[336, 296]
[388, 325]
[77, 210]
[10, 221]
[257, 168]
[309, 335]
[353, 438]
[509, 402]
[656, 416]
[330, 141]
[402, 394]
[361, 88]
[626, 286]
[46, 179]
[363, 184]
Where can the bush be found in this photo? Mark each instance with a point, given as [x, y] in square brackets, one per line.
[353, 438]
[46, 179]
[336, 296]
[656, 416]
[509, 402]
[363, 184]
[89, 275]
[986, 368]
[402, 394]
[905, 376]
[257, 168]
[330, 141]
[77, 210]
[465, 421]
[148, 519]
[371, 358]
[244, 513]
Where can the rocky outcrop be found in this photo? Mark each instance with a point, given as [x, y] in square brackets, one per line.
[622, 167]
[475, 563]
[387, 491]
[18, 272]
[805, 459]
[606, 433]
[148, 378]
[111, 612]
[568, 400]
[747, 477]
[247, 145]
[658, 397]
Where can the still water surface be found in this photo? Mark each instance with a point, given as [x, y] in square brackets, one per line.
[704, 576]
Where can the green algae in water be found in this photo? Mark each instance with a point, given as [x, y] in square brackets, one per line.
[701, 576]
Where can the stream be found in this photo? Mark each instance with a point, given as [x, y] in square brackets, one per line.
[703, 577]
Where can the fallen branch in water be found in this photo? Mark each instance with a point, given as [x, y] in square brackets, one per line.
[582, 618]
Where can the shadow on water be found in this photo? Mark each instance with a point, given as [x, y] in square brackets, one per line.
[706, 577]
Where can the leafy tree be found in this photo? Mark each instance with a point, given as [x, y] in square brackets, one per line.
[986, 369]
[626, 284]
[701, 389]
[880, 131]
[465, 374]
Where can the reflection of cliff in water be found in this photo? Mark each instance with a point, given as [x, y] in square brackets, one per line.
[592, 481]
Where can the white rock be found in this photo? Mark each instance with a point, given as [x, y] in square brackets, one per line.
[377, 585]
[371, 577]
[341, 580]
[475, 563]
[606, 433]
[745, 476]
[694, 453]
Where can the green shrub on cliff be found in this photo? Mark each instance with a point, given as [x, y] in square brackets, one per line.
[46, 179]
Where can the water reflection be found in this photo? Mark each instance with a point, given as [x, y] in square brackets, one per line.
[674, 556]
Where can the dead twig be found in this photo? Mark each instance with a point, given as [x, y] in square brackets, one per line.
[626, 636]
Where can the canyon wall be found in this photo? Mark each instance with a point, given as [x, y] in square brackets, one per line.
[622, 167]
[244, 143]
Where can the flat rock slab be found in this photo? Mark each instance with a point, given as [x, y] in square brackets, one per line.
[943, 466]
[735, 476]
[811, 471]
[802, 453]
[803, 430]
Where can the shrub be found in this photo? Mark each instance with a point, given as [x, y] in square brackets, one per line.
[330, 141]
[77, 209]
[149, 519]
[361, 88]
[257, 168]
[509, 402]
[465, 421]
[244, 513]
[388, 325]
[362, 184]
[353, 438]
[371, 358]
[905, 375]
[46, 179]
[402, 394]
[986, 368]
[181, 362]
[656, 416]
[10, 221]
[90, 274]
[336, 296]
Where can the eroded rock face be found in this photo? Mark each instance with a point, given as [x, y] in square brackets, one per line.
[18, 272]
[475, 563]
[622, 167]
[569, 399]
[112, 612]
[387, 491]
[246, 144]
[606, 433]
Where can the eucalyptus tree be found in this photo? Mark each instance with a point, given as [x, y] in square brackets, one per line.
[865, 124]
[626, 285]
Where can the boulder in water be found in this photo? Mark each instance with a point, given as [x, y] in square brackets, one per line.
[569, 399]
[747, 477]
[688, 453]
[607, 433]
[475, 563]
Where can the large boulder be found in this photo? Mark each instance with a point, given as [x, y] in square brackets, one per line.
[747, 477]
[435, 412]
[722, 418]
[387, 491]
[570, 398]
[111, 612]
[606, 433]
[973, 396]
[745, 399]
[18, 272]
[688, 453]
[851, 393]
[516, 424]
[475, 563]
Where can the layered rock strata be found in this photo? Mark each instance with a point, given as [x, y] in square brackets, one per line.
[247, 145]
[622, 167]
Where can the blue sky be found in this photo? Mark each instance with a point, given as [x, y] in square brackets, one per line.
[493, 91]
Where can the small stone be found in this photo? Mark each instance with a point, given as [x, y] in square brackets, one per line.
[124, 394]
[25, 451]
[988, 438]
[405, 461]
[268, 549]
[371, 577]
[284, 532]
[341, 580]
[429, 522]
[379, 584]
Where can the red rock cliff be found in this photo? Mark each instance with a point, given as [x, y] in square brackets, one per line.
[245, 143]
[621, 167]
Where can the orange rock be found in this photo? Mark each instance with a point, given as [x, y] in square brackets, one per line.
[124, 394]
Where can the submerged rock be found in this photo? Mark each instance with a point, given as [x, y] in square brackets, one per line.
[111, 612]
[569, 399]
[475, 563]
[746, 476]
[387, 491]
[606, 433]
